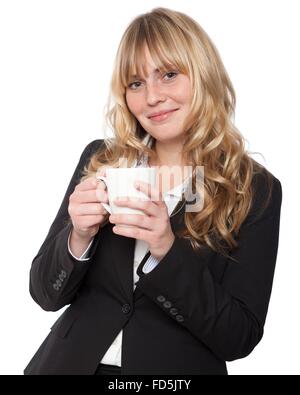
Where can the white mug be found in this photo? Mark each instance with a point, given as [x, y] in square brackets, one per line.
[120, 183]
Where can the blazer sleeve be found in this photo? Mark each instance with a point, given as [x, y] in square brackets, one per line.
[55, 275]
[228, 315]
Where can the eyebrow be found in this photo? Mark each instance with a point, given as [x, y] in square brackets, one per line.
[153, 72]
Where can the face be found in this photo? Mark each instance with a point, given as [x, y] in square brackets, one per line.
[159, 102]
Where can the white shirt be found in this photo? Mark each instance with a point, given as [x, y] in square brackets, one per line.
[171, 198]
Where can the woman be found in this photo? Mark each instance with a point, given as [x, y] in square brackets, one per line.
[184, 291]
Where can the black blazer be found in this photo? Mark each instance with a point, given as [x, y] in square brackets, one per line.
[189, 315]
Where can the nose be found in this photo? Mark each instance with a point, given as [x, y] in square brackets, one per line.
[154, 94]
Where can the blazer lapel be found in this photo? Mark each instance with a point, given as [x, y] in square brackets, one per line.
[177, 222]
[122, 251]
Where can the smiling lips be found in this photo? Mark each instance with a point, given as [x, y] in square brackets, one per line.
[162, 115]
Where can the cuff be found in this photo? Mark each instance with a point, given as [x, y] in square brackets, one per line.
[150, 264]
[84, 256]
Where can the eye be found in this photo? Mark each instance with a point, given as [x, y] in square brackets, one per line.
[134, 85]
[171, 75]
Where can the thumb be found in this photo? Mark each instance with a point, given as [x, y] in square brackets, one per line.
[101, 171]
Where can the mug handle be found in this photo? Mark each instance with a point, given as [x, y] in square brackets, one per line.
[105, 205]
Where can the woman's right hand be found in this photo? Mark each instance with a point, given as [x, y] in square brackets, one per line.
[85, 208]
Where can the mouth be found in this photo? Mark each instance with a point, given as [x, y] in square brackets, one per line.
[161, 116]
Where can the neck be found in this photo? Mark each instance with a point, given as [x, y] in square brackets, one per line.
[168, 154]
[168, 158]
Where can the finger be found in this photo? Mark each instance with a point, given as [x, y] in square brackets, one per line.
[134, 232]
[102, 195]
[92, 196]
[147, 206]
[152, 192]
[101, 184]
[86, 185]
[139, 220]
[89, 220]
[91, 209]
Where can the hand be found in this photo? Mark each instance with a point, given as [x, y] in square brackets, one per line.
[85, 208]
[154, 227]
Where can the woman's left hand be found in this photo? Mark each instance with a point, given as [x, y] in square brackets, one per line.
[154, 227]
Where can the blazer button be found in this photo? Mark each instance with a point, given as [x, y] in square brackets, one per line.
[62, 278]
[58, 282]
[126, 308]
[179, 318]
[174, 311]
[167, 304]
[63, 274]
[56, 287]
[161, 299]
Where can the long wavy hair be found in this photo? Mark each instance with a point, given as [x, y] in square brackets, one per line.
[211, 139]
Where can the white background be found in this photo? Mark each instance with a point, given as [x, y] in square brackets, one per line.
[55, 67]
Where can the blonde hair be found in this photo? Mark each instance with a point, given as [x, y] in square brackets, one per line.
[211, 139]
